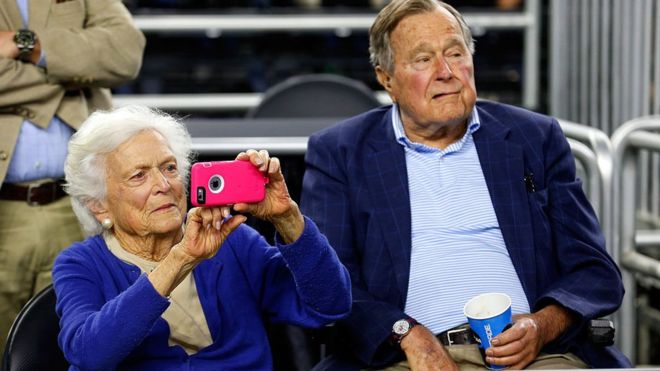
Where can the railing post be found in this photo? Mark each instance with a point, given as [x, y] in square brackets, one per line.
[627, 141]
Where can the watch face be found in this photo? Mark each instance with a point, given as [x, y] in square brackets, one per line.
[401, 327]
[24, 39]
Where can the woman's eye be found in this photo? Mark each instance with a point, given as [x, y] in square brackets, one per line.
[171, 167]
[138, 175]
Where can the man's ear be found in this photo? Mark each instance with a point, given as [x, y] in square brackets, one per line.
[385, 80]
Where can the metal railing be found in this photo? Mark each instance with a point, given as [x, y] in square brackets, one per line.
[205, 102]
[628, 142]
[594, 150]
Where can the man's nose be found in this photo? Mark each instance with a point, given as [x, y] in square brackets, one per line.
[443, 69]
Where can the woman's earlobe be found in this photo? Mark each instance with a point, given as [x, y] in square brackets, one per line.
[98, 209]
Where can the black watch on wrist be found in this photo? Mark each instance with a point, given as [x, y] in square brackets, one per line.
[25, 41]
[401, 328]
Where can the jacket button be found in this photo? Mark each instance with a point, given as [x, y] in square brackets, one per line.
[3, 156]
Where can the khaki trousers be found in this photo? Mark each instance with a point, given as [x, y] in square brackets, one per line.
[30, 239]
[468, 357]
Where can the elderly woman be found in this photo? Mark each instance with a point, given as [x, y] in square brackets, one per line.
[147, 292]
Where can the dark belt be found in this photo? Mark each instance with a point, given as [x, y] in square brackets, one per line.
[33, 194]
[459, 335]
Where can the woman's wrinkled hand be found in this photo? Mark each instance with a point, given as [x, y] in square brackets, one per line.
[206, 230]
[277, 207]
[277, 202]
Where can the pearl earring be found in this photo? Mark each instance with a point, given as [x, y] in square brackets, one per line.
[107, 223]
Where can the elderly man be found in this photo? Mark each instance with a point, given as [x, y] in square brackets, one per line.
[438, 198]
[57, 59]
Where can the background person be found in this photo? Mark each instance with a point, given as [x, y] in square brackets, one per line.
[146, 292]
[57, 59]
[438, 198]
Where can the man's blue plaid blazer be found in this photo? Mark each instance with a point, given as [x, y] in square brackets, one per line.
[356, 189]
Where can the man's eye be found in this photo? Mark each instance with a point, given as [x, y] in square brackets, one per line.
[455, 54]
[421, 63]
[171, 167]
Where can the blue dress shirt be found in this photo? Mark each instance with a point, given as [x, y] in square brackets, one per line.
[39, 153]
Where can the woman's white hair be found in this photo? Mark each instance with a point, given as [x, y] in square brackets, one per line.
[100, 134]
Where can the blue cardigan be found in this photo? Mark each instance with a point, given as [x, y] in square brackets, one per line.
[111, 314]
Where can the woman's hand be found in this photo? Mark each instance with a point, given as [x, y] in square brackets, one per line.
[206, 230]
[277, 207]
[277, 201]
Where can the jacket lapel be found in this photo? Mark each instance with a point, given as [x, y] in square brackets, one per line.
[37, 14]
[11, 16]
[503, 165]
[387, 183]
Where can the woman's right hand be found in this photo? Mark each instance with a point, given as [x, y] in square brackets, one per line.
[206, 230]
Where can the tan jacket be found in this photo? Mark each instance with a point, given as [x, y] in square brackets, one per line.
[90, 45]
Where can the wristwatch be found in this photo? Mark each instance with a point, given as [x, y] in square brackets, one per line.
[401, 328]
[25, 41]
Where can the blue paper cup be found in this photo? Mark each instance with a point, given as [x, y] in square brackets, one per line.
[488, 315]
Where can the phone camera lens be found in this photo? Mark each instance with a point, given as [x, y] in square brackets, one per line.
[216, 184]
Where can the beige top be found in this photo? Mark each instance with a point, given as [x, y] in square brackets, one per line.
[188, 327]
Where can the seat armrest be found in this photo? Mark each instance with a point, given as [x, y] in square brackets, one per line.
[600, 332]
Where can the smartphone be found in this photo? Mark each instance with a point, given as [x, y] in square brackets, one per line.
[219, 183]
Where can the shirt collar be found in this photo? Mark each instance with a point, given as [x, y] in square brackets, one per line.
[473, 125]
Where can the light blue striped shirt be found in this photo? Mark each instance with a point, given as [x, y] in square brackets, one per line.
[39, 153]
[458, 250]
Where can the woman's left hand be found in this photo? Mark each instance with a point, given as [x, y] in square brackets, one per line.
[277, 207]
[277, 202]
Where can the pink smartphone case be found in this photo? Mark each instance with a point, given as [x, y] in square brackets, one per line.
[220, 183]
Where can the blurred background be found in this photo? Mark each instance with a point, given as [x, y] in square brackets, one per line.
[244, 47]
[594, 64]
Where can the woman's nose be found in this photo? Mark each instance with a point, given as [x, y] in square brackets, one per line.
[162, 182]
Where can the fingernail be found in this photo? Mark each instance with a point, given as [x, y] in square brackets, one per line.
[259, 161]
[495, 342]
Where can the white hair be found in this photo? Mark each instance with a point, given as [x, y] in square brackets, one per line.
[102, 133]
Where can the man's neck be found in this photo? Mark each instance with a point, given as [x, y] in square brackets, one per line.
[438, 136]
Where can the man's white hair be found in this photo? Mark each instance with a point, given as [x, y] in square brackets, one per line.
[102, 133]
